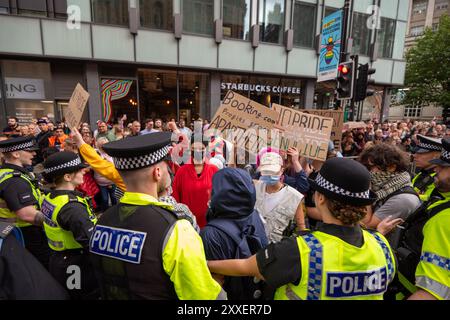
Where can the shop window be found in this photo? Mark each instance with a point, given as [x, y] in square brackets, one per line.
[291, 93]
[156, 14]
[360, 34]
[28, 89]
[237, 83]
[236, 19]
[385, 38]
[198, 16]
[113, 12]
[271, 20]
[304, 24]
[194, 95]
[265, 90]
[158, 93]
[119, 97]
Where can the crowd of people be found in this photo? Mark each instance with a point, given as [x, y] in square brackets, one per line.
[145, 215]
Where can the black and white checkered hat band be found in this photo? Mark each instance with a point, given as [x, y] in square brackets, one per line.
[445, 155]
[18, 147]
[141, 161]
[324, 183]
[428, 146]
[71, 164]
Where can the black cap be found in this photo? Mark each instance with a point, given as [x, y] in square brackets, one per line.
[427, 144]
[42, 121]
[61, 163]
[444, 159]
[346, 181]
[17, 144]
[139, 152]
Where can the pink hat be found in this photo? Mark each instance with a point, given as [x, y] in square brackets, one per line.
[263, 151]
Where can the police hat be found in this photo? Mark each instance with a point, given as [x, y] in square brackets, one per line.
[139, 152]
[427, 144]
[344, 180]
[61, 163]
[444, 160]
[18, 144]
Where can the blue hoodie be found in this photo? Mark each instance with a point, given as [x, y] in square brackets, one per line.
[233, 197]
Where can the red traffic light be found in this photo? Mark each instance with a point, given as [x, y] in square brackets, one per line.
[343, 69]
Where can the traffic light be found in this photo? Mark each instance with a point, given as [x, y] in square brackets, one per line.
[361, 91]
[345, 80]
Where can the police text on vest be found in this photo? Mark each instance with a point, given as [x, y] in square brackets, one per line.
[122, 244]
[351, 284]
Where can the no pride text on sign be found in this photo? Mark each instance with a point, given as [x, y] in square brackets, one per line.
[307, 132]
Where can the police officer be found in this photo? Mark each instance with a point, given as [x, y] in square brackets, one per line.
[140, 248]
[19, 195]
[426, 150]
[22, 276]
[338, 261]
[69, 222]
[424, 251]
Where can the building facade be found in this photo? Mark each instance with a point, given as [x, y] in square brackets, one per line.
[177, 58]
[424, 14]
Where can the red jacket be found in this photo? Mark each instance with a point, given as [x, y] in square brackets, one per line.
[194, 191]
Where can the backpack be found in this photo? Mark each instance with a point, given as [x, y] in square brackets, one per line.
[247, 244]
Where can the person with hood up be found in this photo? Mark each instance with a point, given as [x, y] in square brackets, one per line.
[232, 219]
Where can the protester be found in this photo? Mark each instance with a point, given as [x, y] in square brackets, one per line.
[193, 182]
[135, 129]
[391, 182]
[277, 203]
[13, 127]
[234, 228]
[104, 132]
[58, 139]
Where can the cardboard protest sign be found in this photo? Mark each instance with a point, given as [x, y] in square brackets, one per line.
[338, 122]
[244, 121]
[354, 125]
[308, 133]
[76, 106]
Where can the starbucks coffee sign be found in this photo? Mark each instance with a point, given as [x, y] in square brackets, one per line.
[259, 88]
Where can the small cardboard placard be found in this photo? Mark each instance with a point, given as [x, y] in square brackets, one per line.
[76, 106]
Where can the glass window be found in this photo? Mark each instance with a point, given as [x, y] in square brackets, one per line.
[32, 7]
[28, 88]
[236, 19]
[198, 16]
[360, 34]
[435, 27]
[265, 90]
[304, 24]
[194, 95]
[416, 31]
[441, 5]
[158, 93]
[156, 14]
[291, 93]
[385, 38]
[419, 7]
[110, 11]
[271, 20]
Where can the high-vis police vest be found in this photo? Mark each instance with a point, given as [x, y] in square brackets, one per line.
[58, 238]
[423, 184]
[335, 269]
[433, 270]
[128, 259]
[6, 214]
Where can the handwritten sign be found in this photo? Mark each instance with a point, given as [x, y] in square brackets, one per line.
[76, 106]
[338, 121]
[244, 121]
[308, 133]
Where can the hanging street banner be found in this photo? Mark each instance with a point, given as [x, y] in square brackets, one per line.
[338, 123]
[308, 133]
[330, 46]
[76, 106]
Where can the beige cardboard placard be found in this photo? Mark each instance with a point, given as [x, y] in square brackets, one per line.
[76, 106]
[245, 120]
[354, 125]
[338, 122]
[309, 133]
